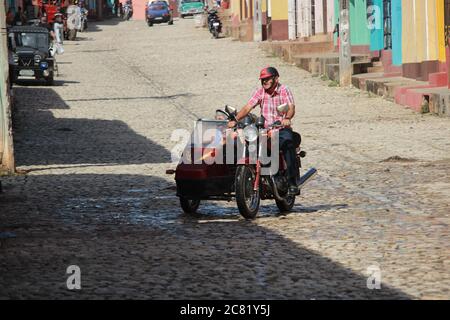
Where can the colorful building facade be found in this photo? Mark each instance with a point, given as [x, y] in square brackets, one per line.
[410, 37]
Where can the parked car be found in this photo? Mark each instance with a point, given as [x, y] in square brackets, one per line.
[190, 7]
[159, 12]
[30, 47]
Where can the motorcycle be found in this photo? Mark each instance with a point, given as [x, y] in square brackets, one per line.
[214, 23]
[84, 20]
[127, 12]
[244, 174]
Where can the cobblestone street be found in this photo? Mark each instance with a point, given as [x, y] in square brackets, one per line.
[94, 149]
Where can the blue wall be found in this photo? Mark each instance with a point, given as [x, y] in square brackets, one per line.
[376, 25]
[397, 32]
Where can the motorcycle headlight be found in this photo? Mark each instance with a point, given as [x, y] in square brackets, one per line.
[250, 133]
[37, 58]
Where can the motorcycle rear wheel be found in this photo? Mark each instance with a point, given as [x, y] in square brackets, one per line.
[246, 198]
[286, 205]
[189, 206]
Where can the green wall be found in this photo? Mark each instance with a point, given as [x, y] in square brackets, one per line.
[359, 32]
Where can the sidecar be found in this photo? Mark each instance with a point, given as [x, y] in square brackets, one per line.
[202, 172]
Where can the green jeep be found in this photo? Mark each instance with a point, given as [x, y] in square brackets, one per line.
[190, 7]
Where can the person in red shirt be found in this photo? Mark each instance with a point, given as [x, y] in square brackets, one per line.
[272, 94]
[51, 9]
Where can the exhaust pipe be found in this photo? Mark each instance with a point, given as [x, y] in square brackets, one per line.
[275, 190]
[307, 177]
[301, 183]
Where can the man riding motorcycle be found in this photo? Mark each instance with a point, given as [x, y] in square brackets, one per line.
[268, 97]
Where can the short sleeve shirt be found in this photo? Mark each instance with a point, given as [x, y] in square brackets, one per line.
[269, 103]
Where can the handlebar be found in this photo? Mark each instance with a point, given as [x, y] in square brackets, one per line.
[276, 124]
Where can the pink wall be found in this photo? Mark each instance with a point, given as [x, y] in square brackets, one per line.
[138, 9]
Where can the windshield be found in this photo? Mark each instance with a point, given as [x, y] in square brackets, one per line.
[158, 6]
[191, 1]
[208, 133]
[33, 40]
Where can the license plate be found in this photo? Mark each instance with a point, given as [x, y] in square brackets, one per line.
[158, 18]
[216, 24]
[192, 10]
[26, 72]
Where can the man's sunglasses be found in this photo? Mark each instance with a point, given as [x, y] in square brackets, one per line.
[264, 81]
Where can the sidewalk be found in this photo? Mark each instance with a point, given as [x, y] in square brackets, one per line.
[421, 96]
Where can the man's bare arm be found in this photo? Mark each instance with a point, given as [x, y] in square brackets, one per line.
[244, 111]
[291, 112]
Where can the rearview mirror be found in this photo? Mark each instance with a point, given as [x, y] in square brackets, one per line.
[282, 109]
[230, 110]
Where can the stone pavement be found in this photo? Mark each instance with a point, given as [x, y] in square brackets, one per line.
[96, 146]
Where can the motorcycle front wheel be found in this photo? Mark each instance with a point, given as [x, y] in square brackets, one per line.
[247, 199]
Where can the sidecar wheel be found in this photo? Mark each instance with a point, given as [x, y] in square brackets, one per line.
[246, 198]
[286, 205]
[189, 206]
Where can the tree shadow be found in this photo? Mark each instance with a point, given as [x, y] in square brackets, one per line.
[42, 139]
[131, 241]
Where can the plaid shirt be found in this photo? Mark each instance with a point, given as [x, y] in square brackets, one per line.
[269, 103]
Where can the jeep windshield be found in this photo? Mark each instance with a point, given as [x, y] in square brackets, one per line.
[191, 1]
[31, 39]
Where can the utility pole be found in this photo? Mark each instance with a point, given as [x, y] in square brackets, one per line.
[345, 51]
[6, 140]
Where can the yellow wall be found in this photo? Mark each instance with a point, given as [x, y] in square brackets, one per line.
[408, 31]
[279, 9]
[235, 7]
[440, 29]
[264, 6]
[433, 46]
[423, 30]
[420, 30]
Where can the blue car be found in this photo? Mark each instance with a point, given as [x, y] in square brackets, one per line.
[158, 12]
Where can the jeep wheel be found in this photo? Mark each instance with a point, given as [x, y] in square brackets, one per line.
[170, 22]
[182, 16]
[49, 80]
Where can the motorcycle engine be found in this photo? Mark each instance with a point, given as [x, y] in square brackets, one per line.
[281, 183]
